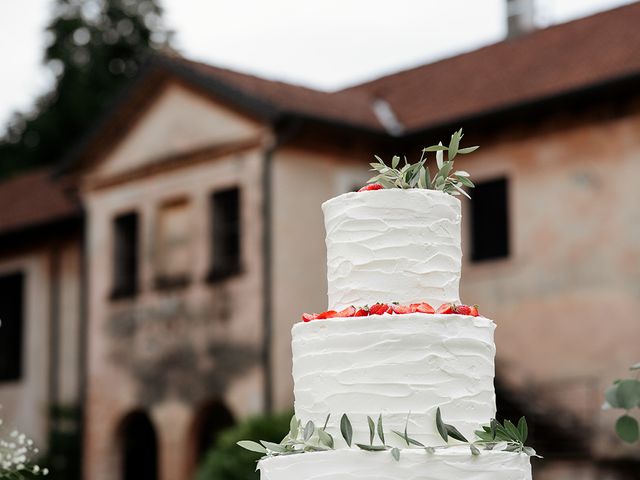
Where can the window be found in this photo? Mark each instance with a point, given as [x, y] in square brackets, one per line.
[125, 255]
[490, 221]
[225, 234]
[11, 328]
[173, 254]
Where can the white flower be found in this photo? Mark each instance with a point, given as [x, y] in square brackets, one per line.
[17, 456]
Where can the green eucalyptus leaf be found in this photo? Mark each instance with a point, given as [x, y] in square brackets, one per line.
[293, 427]
[492, 427]
[408, 439]
[523, 429]
[274, 447]
[434, 148]
[372, 429]
[326, 422]
[461, 190]
[513, 432]
[346, 429]
[454, 144]
[466, 150]
[371, 448]
[406, 429]
[628, 393]
[386, 183]
[380, 429]
[395, 161]
[251, 446]
[453, 432]
[395, 453]
[442, 429]
[446, 168]
[440, 157]
[464, 181]
[500, 446]
[309, 428]
[627, 429]
[483, 435]
[379, 159]
[325, 439]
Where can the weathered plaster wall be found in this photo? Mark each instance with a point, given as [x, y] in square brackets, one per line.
[168, 350]
[564, 300]
[24, 402]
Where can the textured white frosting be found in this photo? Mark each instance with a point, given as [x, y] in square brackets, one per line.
[393, 246]
[451, 464]
[393, 365]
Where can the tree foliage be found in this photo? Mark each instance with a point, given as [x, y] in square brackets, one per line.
[93, 48]
[227, 461]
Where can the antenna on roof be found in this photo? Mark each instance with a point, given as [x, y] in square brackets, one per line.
[520, 17]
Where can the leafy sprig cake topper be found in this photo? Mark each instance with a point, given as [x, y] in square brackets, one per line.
[418, 175]
[309, 437]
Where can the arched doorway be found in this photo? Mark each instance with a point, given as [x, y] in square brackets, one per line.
[211, 418]
[139, 447]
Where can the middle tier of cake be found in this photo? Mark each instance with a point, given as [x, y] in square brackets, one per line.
[397, 366]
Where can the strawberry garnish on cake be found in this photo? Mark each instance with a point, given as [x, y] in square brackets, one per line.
[446, 308]
[401, 309]
[380, 308]
[394, 309]
[421, 308]
[347, 312]
[371, 186]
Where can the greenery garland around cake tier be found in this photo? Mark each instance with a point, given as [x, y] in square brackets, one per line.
[495, 436]
[418, 175]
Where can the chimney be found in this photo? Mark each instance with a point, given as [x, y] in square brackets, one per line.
[520, 17]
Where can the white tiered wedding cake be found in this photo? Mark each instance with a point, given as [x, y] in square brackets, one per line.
[382, 378]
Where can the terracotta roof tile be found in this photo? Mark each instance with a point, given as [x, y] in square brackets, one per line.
[354, 108]
[31, 199]
[543, 64]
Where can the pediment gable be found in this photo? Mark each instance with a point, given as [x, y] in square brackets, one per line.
[178, 121]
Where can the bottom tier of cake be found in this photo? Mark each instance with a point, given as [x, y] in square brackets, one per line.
[414, 464]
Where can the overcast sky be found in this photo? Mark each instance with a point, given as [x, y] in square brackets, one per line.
[326, 44]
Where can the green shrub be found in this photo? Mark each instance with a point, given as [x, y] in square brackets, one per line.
[227, 461]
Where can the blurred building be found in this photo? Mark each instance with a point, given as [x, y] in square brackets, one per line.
[154, 281]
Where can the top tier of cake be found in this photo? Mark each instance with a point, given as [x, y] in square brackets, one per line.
[393, 246]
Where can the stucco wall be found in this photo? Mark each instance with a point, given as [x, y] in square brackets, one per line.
[25, 402]
[168, 350]
[564, 300]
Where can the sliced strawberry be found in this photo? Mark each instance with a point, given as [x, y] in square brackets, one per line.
[327, 314]
[373, 309]
[401, 309]
[372, 186]
[424, 308]
[347, 312]
[474, 311]
[362, 312]
[463, 309]
[379, 309]
[446, 308]
[307, 317]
